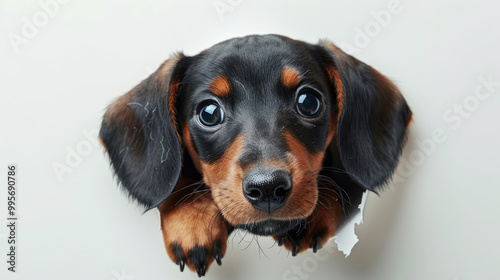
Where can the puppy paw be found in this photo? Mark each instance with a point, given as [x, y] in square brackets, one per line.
[194, 232]
[315, 232]
[197, 258]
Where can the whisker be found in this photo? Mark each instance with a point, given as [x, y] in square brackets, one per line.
[249, 243]
[188, 195]
[260, 248]
[186, 187]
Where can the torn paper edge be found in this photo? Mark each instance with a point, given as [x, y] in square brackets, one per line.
[346, 237]
[159, 218]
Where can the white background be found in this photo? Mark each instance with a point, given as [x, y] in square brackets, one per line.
[441, 221]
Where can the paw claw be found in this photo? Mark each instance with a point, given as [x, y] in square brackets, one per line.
[295, 250]
[178, 255]
[201, 270]
[194, 248]
[181, 263]
[217, 253]
[218, 259]
[316, 245]
[281, 240]
[312, 233]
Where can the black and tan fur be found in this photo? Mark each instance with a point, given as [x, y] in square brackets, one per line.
[266, 167]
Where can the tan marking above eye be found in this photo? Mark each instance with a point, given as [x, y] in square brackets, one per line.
[290, 78]
[220, 86]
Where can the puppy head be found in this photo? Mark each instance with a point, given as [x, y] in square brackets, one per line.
[257, 115]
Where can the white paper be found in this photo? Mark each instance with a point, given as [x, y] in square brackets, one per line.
[346, 237]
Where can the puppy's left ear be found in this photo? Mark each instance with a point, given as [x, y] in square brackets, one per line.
[372, 117]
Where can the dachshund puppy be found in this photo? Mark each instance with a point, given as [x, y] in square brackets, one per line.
[262, 133]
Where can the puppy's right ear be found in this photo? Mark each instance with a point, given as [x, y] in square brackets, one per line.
[372, 120]
[139, 132]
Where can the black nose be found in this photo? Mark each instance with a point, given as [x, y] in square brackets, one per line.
[267, 190]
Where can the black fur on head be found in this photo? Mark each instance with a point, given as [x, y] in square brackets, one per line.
[140, 136]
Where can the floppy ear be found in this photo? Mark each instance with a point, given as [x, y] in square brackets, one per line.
[372, 118]
[139, 133]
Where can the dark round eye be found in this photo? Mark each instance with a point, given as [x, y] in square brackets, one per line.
[211, 114]
[308, 104]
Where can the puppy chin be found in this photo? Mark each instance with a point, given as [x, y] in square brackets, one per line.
[271, 227]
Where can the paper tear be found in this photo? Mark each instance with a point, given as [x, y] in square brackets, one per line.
[346, 237]
[159, 217]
